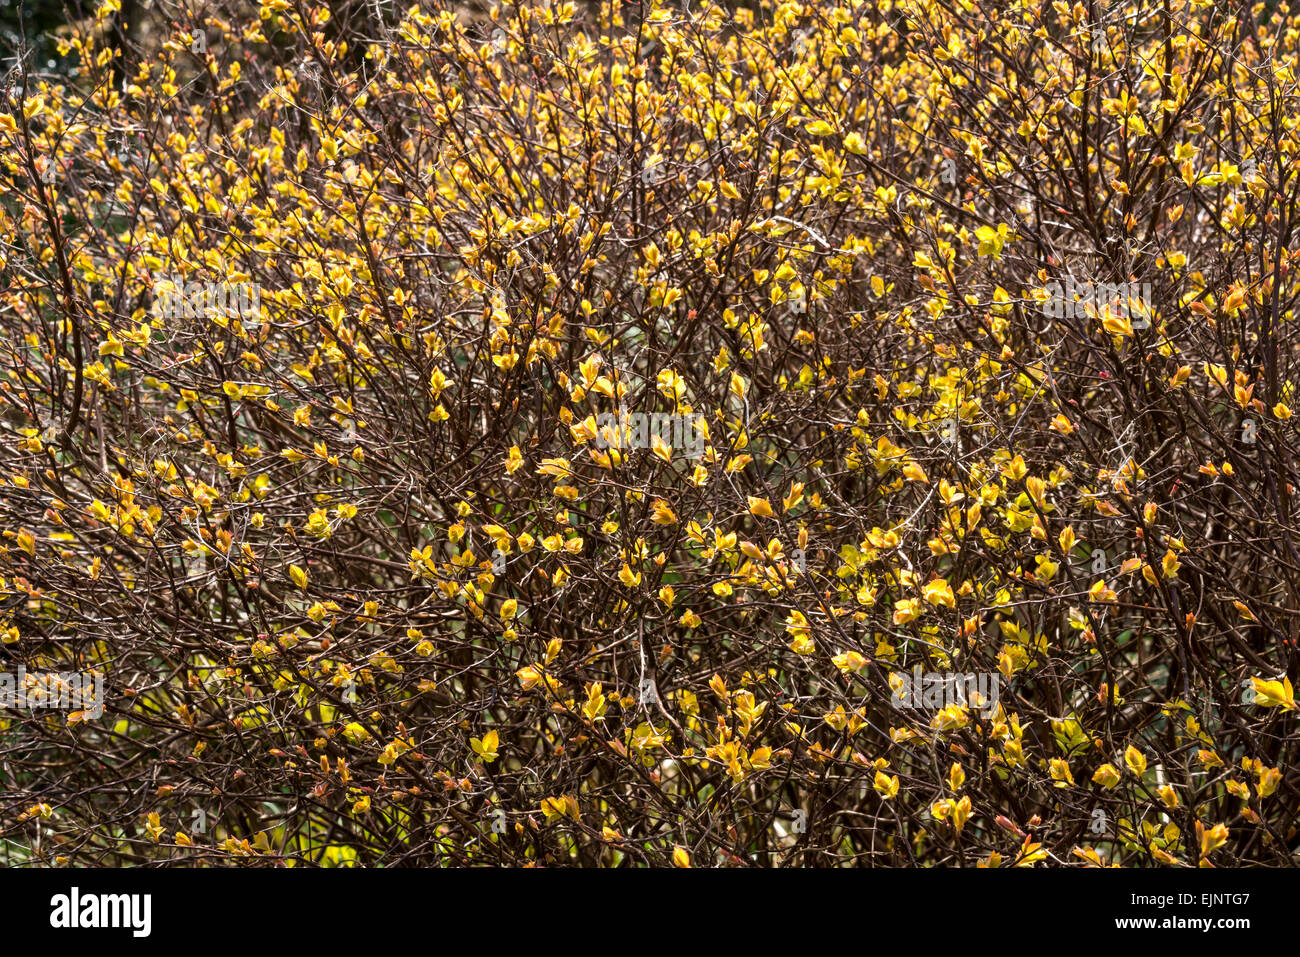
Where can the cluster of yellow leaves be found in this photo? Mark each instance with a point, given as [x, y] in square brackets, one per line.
[398, 486]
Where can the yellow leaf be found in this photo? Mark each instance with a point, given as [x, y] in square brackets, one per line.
[1274, 694]
[991, 240]
[886, 786]
[1170, 564]
[1107, 776]
[485, 747]
[1117, 325]
[1135, 760]
[905, 610]
[356, 733]
[938, 592]
[1213, 838]
[961, 812]
[514, 459]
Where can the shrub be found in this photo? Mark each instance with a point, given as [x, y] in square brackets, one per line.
[379, 567]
